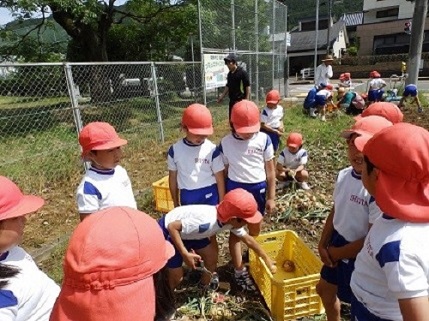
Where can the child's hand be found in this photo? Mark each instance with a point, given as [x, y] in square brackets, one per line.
[270, 206]
[280, 133]
[190, 259]
[324, 256]
[272, 266]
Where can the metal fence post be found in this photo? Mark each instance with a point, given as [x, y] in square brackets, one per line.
[74, 102]
[158, 106]
[257, 50]
[203, 75]
[233, 25]
[273, 32]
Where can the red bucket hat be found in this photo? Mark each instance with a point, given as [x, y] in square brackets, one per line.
[239, 203]
[13, 203]
[198, 119]
[99, 136]
[384, 109]
[294, 140]
[273, 97]
[108, 268]
[401, 155]
[366, 128]
[245, 117]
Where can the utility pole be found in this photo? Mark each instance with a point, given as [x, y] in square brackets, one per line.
[317, 36]
[416, 41]
[328, 36]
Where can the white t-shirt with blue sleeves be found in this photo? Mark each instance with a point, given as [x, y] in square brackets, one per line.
[195, 164]
[355, 208]
[246, 158]
[393, 264]
[293, 161]
[272, 117]
[100, 189]
[199, 222]
[29, 295]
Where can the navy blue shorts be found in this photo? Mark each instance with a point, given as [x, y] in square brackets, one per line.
[341, 274]
[207, 195]
[176, 260]
[375, 94]
[258, 190]
[361, 313]
[320, 100]
[410, 90]
[275, 139]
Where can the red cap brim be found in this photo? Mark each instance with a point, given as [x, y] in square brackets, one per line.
[201, 131]
[27, 205]
[248, 129]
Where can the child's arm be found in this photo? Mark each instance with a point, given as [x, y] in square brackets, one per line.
[174, 229]
[174, 190]
[280, 169]
[269, 128]
[271, 185]
[220, 182]
[414, 309]
[349, 251]
[325, 238]
[252, 244]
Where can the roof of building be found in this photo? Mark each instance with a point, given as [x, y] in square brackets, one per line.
[305, 40]
[353, 19]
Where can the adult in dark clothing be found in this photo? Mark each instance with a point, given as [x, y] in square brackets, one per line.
[237, 84]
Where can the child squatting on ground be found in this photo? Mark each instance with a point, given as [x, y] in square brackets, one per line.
[190, 229]
[391, 277]
[248, 156]
[352, 215]
[291, 163]
[26, 293]
[411, 92]
[272, 118]
[105, 183]
[113, 270]
[195, 166]
[323, 97]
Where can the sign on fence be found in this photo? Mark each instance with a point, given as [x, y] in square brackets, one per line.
[215, 71]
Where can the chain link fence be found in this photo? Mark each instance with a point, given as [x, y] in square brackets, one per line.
[254, 29]
[44, 106]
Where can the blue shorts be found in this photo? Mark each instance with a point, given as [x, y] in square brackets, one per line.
[320, 100]
[275, 139]
[258, 190]
[176, 260]
[375, 94]
[361, 313]
[207, 195]
[410, 90]
[341, 274]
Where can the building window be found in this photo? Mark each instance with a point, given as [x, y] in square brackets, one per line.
[388, 13]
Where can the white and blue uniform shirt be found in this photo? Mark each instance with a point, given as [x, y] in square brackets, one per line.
[322, 96]
[246, 158]
[355, 208]
[100, 189]
[199, 222]
[292, 161]
[29, 295]
[195, 164]
[393, 264]
[376, 83]
[272, 117]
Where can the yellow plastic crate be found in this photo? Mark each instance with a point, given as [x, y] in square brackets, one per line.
[162, 195]
[287, 295]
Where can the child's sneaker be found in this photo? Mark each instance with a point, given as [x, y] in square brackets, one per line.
[304, 186]
[312, 112]
[420, 109]
[323, 118]
[244, 281]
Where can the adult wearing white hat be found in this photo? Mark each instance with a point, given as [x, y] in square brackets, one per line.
[324, 71]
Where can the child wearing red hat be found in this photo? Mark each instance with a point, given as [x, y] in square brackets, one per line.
[376, 85]
[352, 215]
[195, 167]
[291, 163]
[26, 293]
[323, 96]
[391, 276]
[384, 109]
[105, 183]
[272, 118]
[248, 155]
[110, 266]
[345, 80]
[189, 228]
